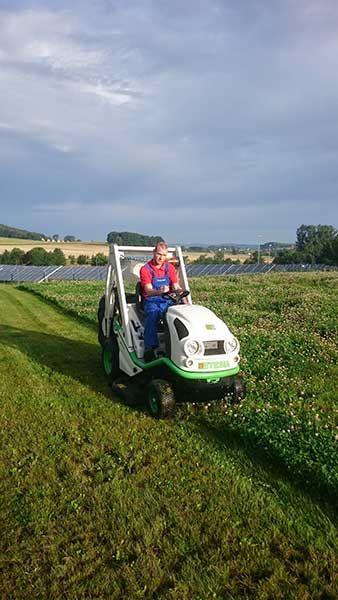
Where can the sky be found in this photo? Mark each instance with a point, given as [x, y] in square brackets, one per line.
[210, 121]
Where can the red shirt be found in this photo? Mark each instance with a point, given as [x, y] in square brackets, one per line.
[146, 277]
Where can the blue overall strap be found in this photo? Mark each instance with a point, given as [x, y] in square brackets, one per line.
[157, 282]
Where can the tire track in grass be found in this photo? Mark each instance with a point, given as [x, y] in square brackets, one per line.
[20, 307]
[54, 341]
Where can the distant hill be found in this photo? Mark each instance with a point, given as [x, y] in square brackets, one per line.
[127, 238]
[228, 245]
[13, 232]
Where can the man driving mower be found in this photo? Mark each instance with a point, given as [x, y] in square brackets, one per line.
[157, 277]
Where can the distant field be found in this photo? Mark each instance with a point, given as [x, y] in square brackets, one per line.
[88, 248]
[192, 256]
[4, 241]
[68, 248]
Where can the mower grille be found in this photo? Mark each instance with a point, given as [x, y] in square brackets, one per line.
[214, 347]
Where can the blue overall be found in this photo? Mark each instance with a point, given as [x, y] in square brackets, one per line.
[155, 307]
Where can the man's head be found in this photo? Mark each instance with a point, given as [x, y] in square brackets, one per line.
[160, 253]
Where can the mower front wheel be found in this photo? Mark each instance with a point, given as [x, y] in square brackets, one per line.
[238, 389]
[110, 359]
[161, 399]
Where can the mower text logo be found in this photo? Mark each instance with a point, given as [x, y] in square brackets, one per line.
[219, 364]
[210, 327]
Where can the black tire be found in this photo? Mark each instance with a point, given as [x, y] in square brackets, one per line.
[161, 399]
[238, 389]
[100, 316]
[110, 359]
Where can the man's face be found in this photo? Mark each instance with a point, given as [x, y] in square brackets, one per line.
[160, 256]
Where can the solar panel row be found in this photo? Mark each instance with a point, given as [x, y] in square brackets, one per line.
[20, 273]
[224, 269]
[82, 273]
[24, 273]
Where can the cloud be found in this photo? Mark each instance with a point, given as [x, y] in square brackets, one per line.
[217, 117]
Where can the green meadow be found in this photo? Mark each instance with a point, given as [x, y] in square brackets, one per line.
[99, 500]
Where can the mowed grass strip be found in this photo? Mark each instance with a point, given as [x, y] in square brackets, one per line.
[101, 501]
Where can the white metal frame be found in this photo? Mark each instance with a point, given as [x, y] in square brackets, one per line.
[115, 278]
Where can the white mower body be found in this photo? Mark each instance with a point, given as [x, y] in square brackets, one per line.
[193, 342]
[207, 346]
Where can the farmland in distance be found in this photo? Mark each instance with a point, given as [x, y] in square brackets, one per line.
[90, 248]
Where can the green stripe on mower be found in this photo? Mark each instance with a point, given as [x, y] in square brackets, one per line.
[209, 376]
[107, 361]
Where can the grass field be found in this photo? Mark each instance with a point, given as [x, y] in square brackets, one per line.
[101, 501]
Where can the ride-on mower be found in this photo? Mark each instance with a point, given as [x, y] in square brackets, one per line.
[197, 360]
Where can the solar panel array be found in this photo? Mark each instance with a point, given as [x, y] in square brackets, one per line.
[17, 273]
[198, 270]
[21, 273]
[225, 269]
[83, 273]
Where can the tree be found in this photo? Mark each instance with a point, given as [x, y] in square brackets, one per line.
[5, 256]
[56, 237]
[218, 257]
[16, 256]
[128, 238]
[13, 232]
[57, 257]
[253, 259]
[330, 252]
[311, 240]
[69, 238]
[82, 259]
[196, 249]
[99, 259]
[37, 256]
[288, 257]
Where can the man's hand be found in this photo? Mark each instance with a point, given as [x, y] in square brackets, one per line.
[164, 289]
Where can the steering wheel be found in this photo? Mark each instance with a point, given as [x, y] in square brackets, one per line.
[176, 295]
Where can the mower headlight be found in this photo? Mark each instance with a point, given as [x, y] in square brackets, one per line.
[231, 345]
[192, 347]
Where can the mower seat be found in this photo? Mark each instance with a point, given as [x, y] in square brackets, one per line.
[140, 309]
[139, 300]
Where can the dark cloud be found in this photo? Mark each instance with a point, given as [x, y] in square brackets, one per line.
[196, 120]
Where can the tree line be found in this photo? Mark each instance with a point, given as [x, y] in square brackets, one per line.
[13, 232]
[128, 238]
[41, 257]
[315, 244]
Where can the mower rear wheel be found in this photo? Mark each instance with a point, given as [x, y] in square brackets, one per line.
[238, 389]
[110, 359]
[161, 399]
